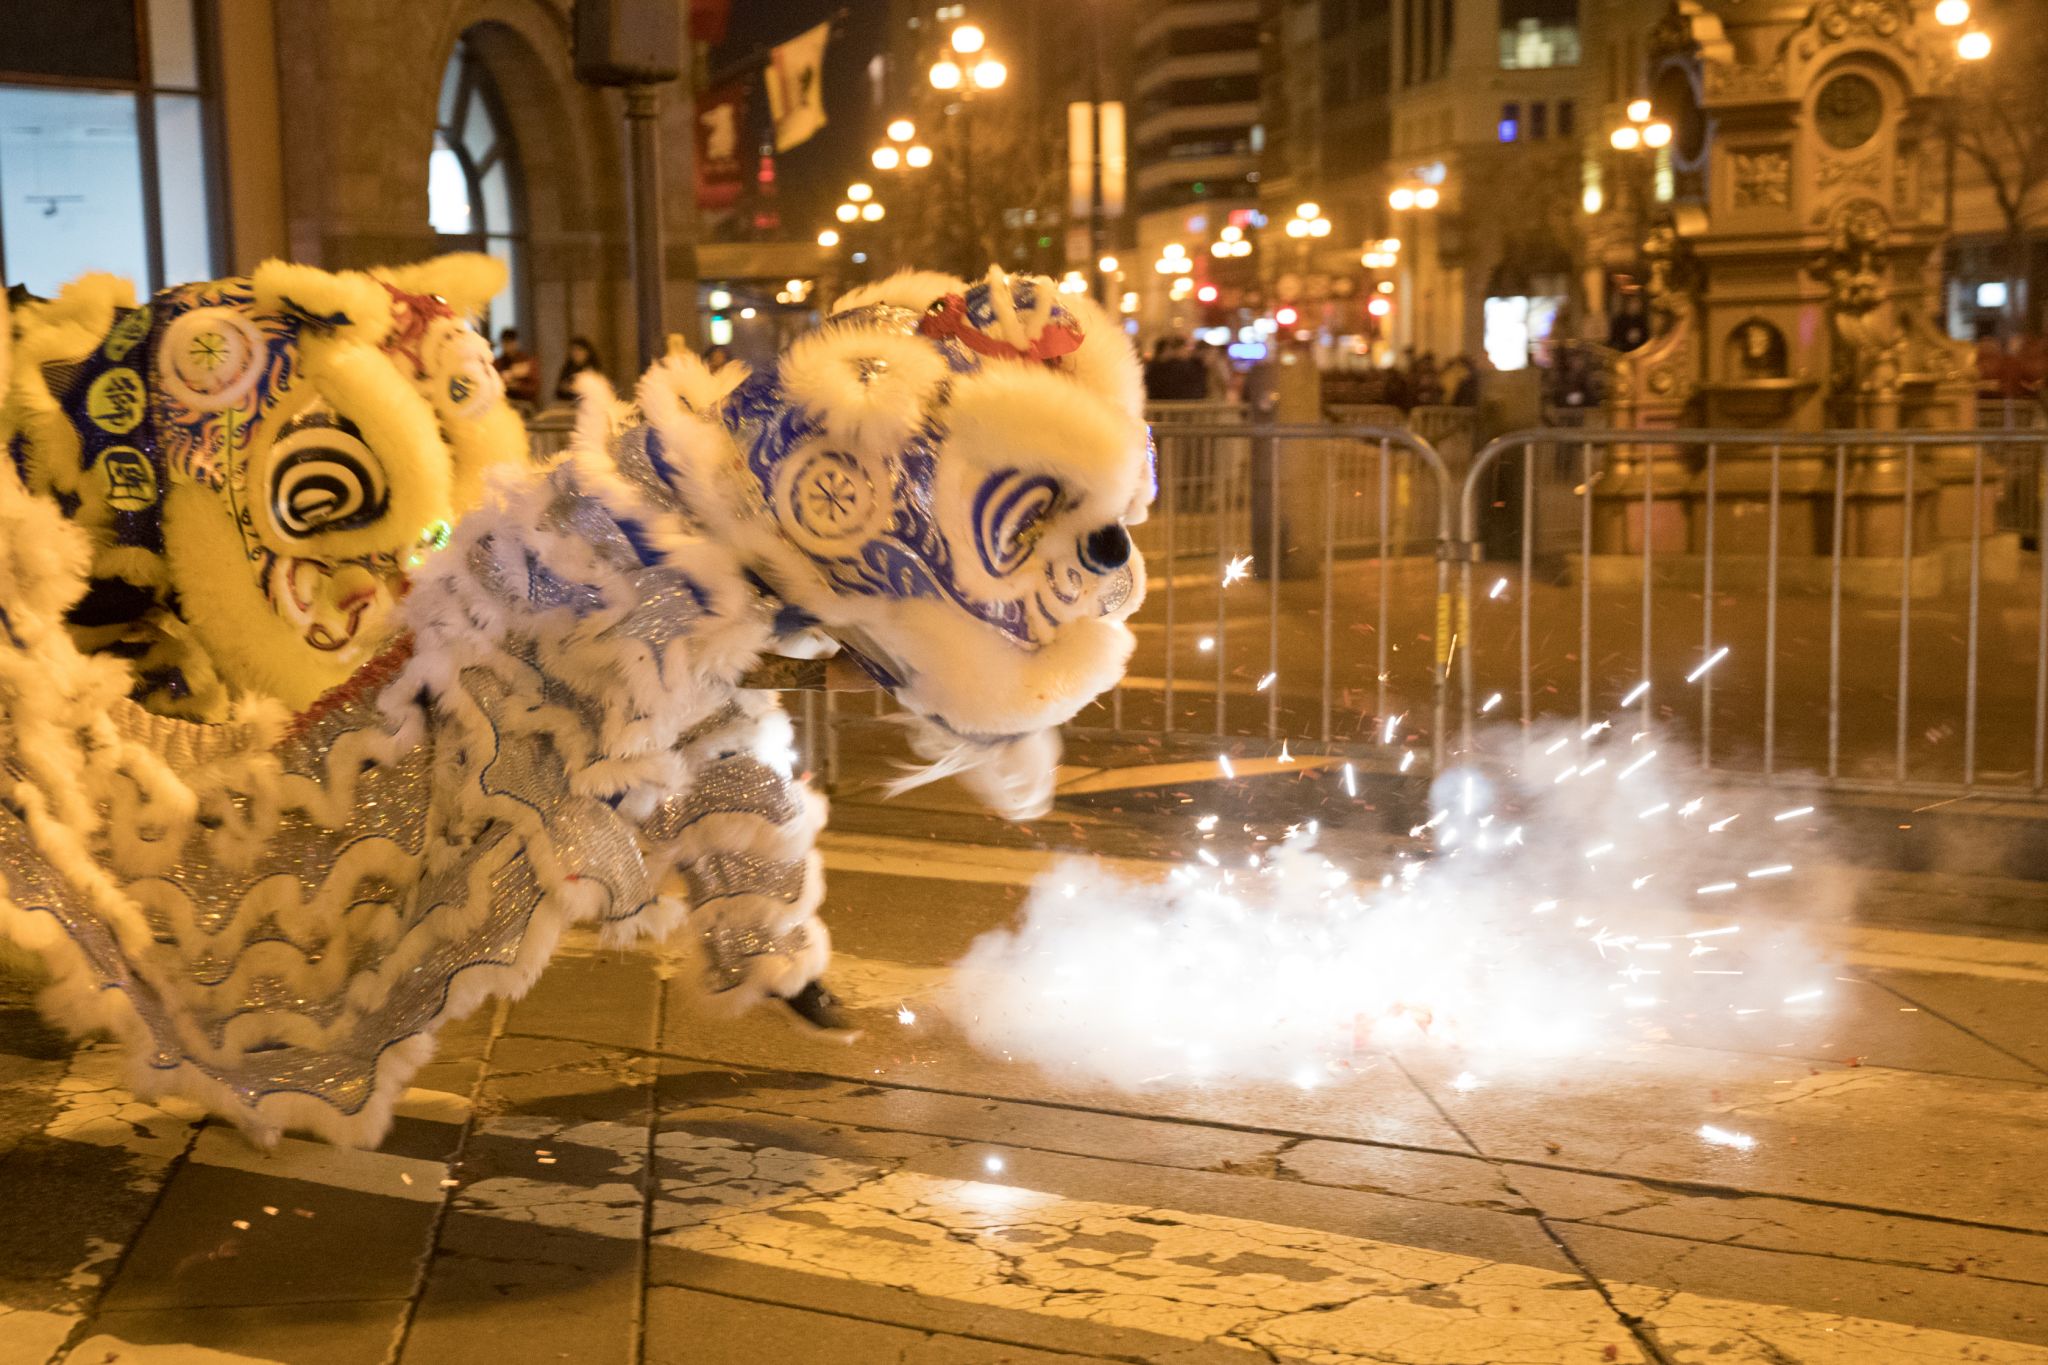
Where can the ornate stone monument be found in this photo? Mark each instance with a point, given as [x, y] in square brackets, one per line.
[1794, 280]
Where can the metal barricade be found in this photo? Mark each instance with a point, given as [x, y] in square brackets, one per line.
[1286, 621]
[1853, 609]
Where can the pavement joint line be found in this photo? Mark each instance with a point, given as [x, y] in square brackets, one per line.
[1960, 1027]
[431, 1252]
[650, 1172]
[90, 1311]
[1652, 1182]
[1632, 1322]
[927, 1332]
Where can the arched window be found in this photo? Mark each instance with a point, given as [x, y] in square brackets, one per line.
[473, 177]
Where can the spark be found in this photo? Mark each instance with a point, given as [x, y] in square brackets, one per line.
[1599, 849]
[905, 1015]
[1595, 728]
[1206, 643]
[1632, 769]
[1489, 703]
[1514, 839]
[1641, 882]
[1711, 660]
[1555, 747]
[1716, 888]
[1407, 760]
[1775, 870]
[1350, 781]
[1802, 997]
[1206, 823]
[1387, 730]
[993, 1165]
[1267, 681]
[1206, 856]
[1285, 756]
[1657, 809]
[1722, 1137]
[1542, 907]
[1692, 807]
[1595, 766]
[1465, 1082]
[1567, 775]
[1723, 823]
[1793, 814]
[1237, 570]
[1498, 589]
[1715, 933]
[1223, 762]
[1635, 693]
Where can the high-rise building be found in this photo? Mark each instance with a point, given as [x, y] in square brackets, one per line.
[1195, 134]
[1487, 102]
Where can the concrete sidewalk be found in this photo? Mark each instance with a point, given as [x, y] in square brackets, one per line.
[600, 1173]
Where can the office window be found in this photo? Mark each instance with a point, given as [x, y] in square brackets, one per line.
[1537, 34]
[1567, 118]
[1539, 119]
[1510, 126]
[106, 142]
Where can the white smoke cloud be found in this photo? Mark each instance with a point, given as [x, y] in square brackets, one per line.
[1582, 900]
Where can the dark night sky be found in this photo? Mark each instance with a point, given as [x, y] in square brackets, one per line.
[811, 177]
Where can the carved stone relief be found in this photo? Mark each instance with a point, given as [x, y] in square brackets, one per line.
[1763, 179]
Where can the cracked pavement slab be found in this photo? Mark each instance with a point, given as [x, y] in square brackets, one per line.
[1304, 1294]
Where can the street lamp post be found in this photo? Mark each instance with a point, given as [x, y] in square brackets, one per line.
[970, 70]
[1413, 197]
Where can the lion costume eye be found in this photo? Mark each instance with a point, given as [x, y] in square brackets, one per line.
[323, 478]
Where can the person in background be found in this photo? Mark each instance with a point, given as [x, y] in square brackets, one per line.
[1160, 380]
[519, 369]
[1427, 389]
[582, 357]
[717, 356]
[1461, 382]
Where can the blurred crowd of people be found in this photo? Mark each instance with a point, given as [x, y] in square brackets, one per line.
[520, 369]
[1181, 370]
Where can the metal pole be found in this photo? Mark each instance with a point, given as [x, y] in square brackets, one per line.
[643, 199]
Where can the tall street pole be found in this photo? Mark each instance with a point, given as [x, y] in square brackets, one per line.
[643, 198]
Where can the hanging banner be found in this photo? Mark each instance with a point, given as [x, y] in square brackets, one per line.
[796, 87]
[707, 21]
[721, 120]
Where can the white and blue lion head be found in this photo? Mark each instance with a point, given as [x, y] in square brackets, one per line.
[940, 479]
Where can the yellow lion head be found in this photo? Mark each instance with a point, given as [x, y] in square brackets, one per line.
[259, 460]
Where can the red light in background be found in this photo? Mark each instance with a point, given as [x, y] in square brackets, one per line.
[1287, 317]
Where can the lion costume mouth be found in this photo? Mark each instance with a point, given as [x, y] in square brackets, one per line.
[328, 604]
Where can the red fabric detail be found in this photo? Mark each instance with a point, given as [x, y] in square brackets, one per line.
[1057, 338]
[373, 677]
[411, 315]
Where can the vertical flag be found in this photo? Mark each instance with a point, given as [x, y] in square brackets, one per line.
[796, 86]
[1080, 179]
[721, 124]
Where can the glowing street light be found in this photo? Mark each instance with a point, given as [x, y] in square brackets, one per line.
[860, 191]
[1952, 13]
[1657, 134]
[1638, 111]
[1107, 265]
[946, 75]
[871, 212]
[887, 158]
[902, 130]
[1310, 209]
[989, 74]
[829, 237]
[1426, 197]
[1401, 200]
[1626, 138]
[1974, 46]
[968, 39]
[917, 156]
[846, 213]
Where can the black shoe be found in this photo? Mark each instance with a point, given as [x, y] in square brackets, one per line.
[820, 1011]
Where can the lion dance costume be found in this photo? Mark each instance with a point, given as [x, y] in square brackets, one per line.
[273, 889]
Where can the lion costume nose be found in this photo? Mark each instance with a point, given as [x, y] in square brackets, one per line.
[1106, 548]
